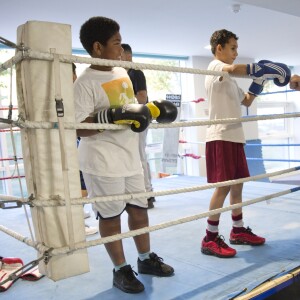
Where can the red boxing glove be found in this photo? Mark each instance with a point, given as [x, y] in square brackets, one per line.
[8, 265]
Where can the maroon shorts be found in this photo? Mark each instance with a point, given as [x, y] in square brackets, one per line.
[225, 161]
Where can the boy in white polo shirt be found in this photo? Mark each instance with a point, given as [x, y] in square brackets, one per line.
[225, 156]
[109, 159]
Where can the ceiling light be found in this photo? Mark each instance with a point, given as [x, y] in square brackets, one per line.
[236, 8]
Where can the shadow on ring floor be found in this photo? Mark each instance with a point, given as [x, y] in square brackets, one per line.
[196, 276]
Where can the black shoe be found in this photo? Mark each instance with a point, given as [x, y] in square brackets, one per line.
[150, 202]
[154, 266]
[125, 280]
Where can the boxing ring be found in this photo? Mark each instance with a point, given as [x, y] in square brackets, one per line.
[62, 249]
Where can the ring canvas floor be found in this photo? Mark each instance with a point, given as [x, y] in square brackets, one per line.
[197, 276]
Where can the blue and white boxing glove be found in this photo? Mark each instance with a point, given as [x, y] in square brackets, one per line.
[257, 85]
[265, 69]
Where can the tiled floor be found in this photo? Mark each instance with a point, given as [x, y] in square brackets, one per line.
[196, 276]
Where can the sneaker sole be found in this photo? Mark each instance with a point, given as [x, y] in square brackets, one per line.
[241, 242]
[209, 252]
[156, 274]
[127, 290]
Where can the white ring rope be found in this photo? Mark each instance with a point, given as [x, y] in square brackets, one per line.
[11, 62]
[172, 223]
[38, 246]
[225, 121]
[78, 246]
[80, 201]
[5, 126]
[31, 54]
[174, 191]
[71, 125]
[12, 198]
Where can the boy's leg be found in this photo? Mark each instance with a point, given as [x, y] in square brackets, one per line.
[239, 234]
[217, 200]
[148, 263]
[109, 227]
[110, 224]
[138, 218]
[213, 243]
[145, 165]
[124, 277]
[236, 197]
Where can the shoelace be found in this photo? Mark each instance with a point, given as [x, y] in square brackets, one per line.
[221, 241]
[249, 231]
[156, 259]
[130, 273]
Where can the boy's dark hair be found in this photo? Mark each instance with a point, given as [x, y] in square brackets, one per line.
[126, 48]
[97, 29]
[221, 37]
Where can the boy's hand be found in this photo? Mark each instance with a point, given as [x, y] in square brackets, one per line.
[163, 111]
[137, 115]
[295, 82]
[266, 69]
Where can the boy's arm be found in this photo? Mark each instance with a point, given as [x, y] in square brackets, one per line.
[87, 132]
[238, 69]
[264, 69]
[141, 87]
[260, 71]
[141, 96]
[256, 86]
[241, 69]
[249, 98]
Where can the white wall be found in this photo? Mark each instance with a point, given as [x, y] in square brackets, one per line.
[295, 96]
[190, 110]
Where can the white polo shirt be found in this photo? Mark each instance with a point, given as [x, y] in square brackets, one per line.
[112, 153]
[224, 100]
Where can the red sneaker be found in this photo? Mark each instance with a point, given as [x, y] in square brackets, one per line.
[217, 247]
[247, 237]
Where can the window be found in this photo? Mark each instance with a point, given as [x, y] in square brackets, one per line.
[277, 100]
[7, 164]
[159, 84]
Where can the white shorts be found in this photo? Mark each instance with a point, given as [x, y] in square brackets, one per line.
[108, 186]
